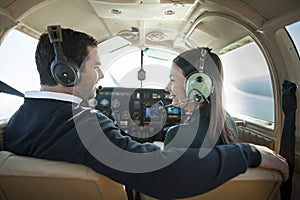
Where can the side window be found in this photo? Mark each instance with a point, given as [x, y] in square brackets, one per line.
[247, 84]
[18, 69]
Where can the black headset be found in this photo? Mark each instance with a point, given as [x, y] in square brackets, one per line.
[199, 85]
[64, 70]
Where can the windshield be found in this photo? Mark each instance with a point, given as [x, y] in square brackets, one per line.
[124, 71]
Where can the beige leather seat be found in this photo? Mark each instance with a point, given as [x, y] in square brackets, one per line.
[255, 184]
[24, 178]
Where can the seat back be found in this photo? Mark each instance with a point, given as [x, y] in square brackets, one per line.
[34, 179]
[255, 184]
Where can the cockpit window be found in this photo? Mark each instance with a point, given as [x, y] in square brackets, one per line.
[18, 69]
[247, 84]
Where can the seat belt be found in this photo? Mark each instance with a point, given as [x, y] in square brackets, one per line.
[9, 90]
[287, 146]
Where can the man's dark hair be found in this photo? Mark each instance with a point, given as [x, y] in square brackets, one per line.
[74, 46]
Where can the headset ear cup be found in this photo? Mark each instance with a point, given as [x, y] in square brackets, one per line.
[65, 72]
[198, 84]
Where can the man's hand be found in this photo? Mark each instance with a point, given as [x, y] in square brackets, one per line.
[272, 160]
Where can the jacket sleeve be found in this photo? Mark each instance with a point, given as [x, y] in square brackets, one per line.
[176, 173]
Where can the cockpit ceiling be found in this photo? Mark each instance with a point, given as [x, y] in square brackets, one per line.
[270, 9]
[142, 11]
[174, 23]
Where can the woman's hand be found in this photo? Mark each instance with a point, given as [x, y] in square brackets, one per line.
[272, 160]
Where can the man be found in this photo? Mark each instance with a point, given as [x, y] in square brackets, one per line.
[51, 124]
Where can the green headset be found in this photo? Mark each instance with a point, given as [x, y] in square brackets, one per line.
[64, 70]
[199, 85]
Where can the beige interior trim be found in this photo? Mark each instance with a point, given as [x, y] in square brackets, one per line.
[247, 135]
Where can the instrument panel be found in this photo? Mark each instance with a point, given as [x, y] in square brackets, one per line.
[139, 113]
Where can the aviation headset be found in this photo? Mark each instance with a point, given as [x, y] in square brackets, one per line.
[199, 85]
[64, 70]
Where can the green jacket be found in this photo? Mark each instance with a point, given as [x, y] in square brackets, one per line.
[183, 135]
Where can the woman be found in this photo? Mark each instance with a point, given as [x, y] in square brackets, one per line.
[196, 80]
